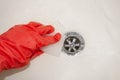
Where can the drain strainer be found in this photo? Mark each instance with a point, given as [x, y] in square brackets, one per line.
[73, 43]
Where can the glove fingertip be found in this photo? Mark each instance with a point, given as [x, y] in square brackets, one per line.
[57, 36]
[50, 29]
[35, 24]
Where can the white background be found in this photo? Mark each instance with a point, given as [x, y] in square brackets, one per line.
[98, 21]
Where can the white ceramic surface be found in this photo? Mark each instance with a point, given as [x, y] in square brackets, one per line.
[98, 22]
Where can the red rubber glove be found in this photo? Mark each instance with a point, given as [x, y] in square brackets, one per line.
[21, 43]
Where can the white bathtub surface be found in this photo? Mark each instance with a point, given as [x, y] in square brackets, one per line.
[98, 21]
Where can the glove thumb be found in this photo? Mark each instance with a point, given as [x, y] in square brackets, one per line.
[37, 53]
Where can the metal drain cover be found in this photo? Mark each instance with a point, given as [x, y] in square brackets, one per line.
[73, 43]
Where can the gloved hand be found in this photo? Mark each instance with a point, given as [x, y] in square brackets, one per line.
[21, 43]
